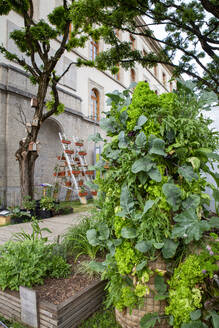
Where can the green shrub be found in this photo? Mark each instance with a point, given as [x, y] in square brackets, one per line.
[28, 262]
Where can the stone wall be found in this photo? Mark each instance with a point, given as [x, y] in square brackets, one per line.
[15, 94]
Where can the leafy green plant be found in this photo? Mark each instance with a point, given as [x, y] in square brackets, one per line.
[36, 233]
[16, 212]
[47, 203]
[28, 262]
[29, 204]
[151, 198]
[76, 241]
[103, 318]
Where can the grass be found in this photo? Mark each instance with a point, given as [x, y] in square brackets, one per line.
[104, 318]
[77, 206]
[11, 324]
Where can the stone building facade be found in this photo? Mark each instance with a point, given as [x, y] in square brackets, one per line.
[77, 90]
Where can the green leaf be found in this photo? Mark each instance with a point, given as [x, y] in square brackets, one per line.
[187, 173]
[140, 266]
[155, 175]
[103, 231]
[216, 195]
[128, 232]
[142, 176]
[215, 319]
[123, 141]
[143, 164]
[149, 320]
[92, 237]
[126, 200]
[141, 121]
[188, 226]
[158, 245]
[195, 315]
[194, 324]
[160, 285]
[214, 222]
[158, 147]
[143, 246]
[169, 248]
[192, 201]
[97, 266]
[148, 205]
[140, 140]
[113, 98]
[173, 195]
[108, 124]
[195, 161]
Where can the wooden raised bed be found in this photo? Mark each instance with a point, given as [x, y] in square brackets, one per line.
[67, 314]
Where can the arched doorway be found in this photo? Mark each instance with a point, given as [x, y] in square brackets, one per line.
[50, 148]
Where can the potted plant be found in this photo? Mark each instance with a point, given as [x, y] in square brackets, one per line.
[75, 170]
[61, 174]
[82, 192]
[67, 142]
[69, 151]
[46, 205]
[68, 183]
[79, 142]
[18, 215]
[82, 152]
[94, 192]
[89, 172]
[61, 158]
[29, 205]
[80, 183]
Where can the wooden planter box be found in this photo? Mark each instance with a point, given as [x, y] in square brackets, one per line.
[67, 314]
[4, 219]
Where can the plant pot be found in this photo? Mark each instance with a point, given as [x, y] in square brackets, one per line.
[94, 193]
[68, 142]
[69, 151]
[68, 183]
[82, 153]
[61, 158]
[61, 174]
[79, 144]
[75, 172]
[45, 214]
[89, 172]
[80, 183]
[55, 174]
[82, 194]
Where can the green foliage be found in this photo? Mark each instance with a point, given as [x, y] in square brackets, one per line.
[190, 26]
[47, 203]
[103, 318]
[28, 262]
[152, 196]
[76, 242]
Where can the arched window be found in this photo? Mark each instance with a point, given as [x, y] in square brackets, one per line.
[94, 49]
[95, 105]
[133, 75]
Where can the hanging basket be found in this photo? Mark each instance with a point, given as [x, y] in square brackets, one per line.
[127, 320]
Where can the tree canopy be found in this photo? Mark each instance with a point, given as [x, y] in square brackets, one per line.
[192, 29]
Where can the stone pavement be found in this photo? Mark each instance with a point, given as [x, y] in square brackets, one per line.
[58, 225]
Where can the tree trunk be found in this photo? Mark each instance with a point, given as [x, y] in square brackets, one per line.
[26, 161]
